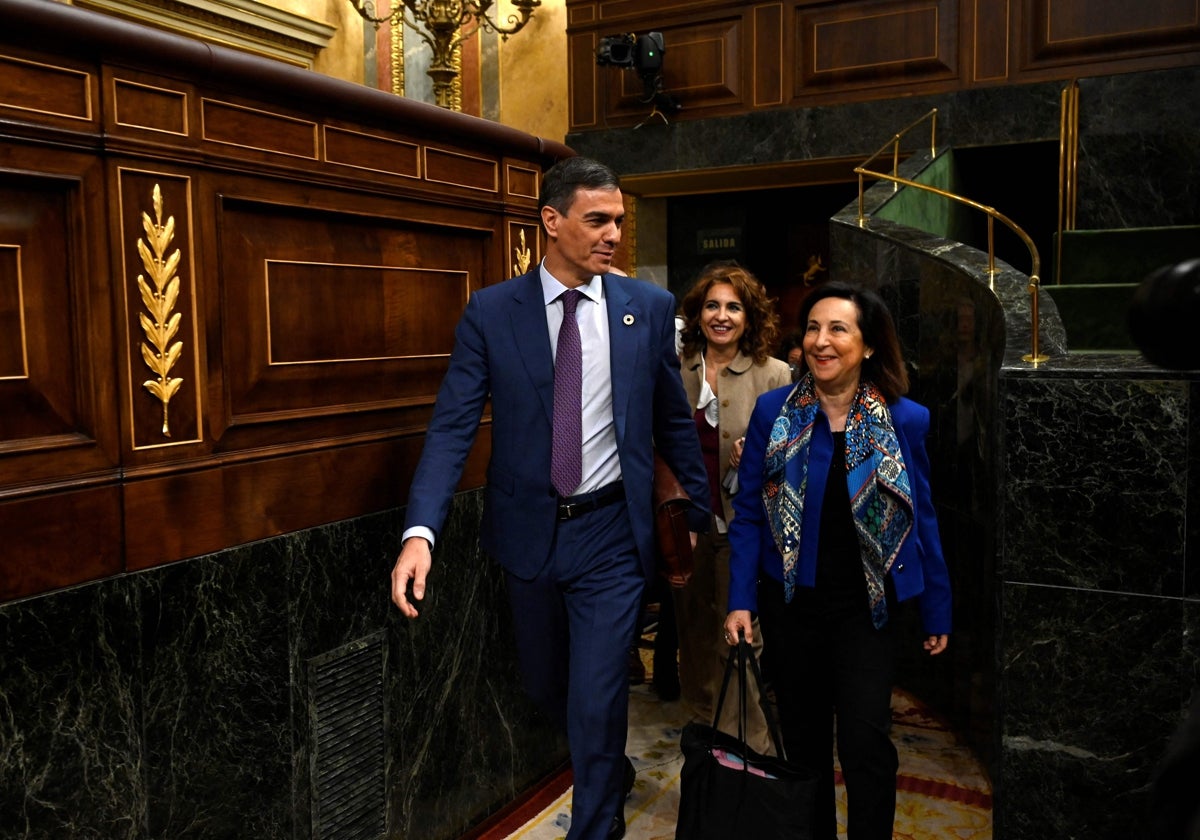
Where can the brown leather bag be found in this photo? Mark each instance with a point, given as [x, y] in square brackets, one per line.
[671, 503]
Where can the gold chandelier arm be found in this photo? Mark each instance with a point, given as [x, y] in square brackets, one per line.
[516, 22]
[367, 11]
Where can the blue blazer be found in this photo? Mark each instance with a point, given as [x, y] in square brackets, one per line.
[502, 352]
[919, 570]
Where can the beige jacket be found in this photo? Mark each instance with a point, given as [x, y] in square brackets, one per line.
[738, 387]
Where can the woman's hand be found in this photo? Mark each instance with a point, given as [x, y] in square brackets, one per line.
[934, 644]
[738, 620]
[735, 452]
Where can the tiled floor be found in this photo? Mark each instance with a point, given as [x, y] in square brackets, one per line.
[943, 793]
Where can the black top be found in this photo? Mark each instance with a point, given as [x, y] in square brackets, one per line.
[840, 584]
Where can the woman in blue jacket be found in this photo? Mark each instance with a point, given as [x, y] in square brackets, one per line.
[834, 529]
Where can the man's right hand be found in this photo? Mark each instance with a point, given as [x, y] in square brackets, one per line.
[412, 565]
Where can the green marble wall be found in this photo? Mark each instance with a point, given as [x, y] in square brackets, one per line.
[175, 703]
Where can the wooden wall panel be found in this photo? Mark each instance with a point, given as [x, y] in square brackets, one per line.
[143, 103]
[522, 183]
[803, 53]
[456, 169]
[1073, 30]
[282, 254]
[616, 10]
[989, 40]
[14, 339]
[258, 129]
[286, 140]
[53, 541]
[214, 508]
[60, 520]
[237, 503]
[873, 44]
[46, 90]
[323, 311]
[582, 79]
[372, 152]
[55, 339]
[767, 58]
[582, 13]
[40, 371]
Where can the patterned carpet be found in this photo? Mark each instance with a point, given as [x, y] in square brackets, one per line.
[943, 793]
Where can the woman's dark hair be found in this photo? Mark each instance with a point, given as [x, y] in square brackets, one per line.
[790, 342]
[575, 173]
[762, 323]
[886, 366]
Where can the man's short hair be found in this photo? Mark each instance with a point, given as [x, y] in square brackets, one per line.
[561, 181]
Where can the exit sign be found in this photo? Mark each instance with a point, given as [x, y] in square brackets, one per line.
[719, 241]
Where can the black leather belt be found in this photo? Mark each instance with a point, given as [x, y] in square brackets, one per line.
[574, 506]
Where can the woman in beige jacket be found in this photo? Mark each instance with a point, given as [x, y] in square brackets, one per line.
[730, 329]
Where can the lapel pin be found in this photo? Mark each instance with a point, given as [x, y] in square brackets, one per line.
[628, 320]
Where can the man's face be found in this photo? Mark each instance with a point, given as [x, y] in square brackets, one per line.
[582, 241]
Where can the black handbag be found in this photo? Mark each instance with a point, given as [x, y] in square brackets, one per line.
[727, 790]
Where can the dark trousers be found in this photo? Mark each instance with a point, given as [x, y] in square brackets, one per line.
[836, 666]
[574, 625]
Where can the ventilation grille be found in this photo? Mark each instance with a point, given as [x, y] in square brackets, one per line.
[348, 725]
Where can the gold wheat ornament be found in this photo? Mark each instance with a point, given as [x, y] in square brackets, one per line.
[523, 254]
[161, 325]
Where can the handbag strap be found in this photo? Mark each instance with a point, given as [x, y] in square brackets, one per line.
[765, 704]
[742, 655]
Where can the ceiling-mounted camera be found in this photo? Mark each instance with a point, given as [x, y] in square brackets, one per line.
[643, 53]
[616, 50]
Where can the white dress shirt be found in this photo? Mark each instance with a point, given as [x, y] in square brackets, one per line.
[601, 463]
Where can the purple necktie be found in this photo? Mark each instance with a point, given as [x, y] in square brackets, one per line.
[566, 453]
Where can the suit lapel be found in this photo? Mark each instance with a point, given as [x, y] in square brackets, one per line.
[626, 323]
[532, 338]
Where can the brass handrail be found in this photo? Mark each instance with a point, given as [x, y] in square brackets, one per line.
[1068, 168]
[1034, 356]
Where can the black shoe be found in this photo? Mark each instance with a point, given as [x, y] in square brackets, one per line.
[617, 830]
[666, 684]
[630, 777]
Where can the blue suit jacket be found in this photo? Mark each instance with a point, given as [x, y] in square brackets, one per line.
[919, 570]
[502, 351]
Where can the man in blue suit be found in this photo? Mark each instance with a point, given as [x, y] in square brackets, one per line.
[578, 557]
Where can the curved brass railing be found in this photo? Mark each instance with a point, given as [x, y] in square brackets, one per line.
[1034, 356]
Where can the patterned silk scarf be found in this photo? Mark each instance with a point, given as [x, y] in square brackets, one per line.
[880, 495]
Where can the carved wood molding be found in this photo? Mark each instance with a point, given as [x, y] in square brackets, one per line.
[245, 24]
